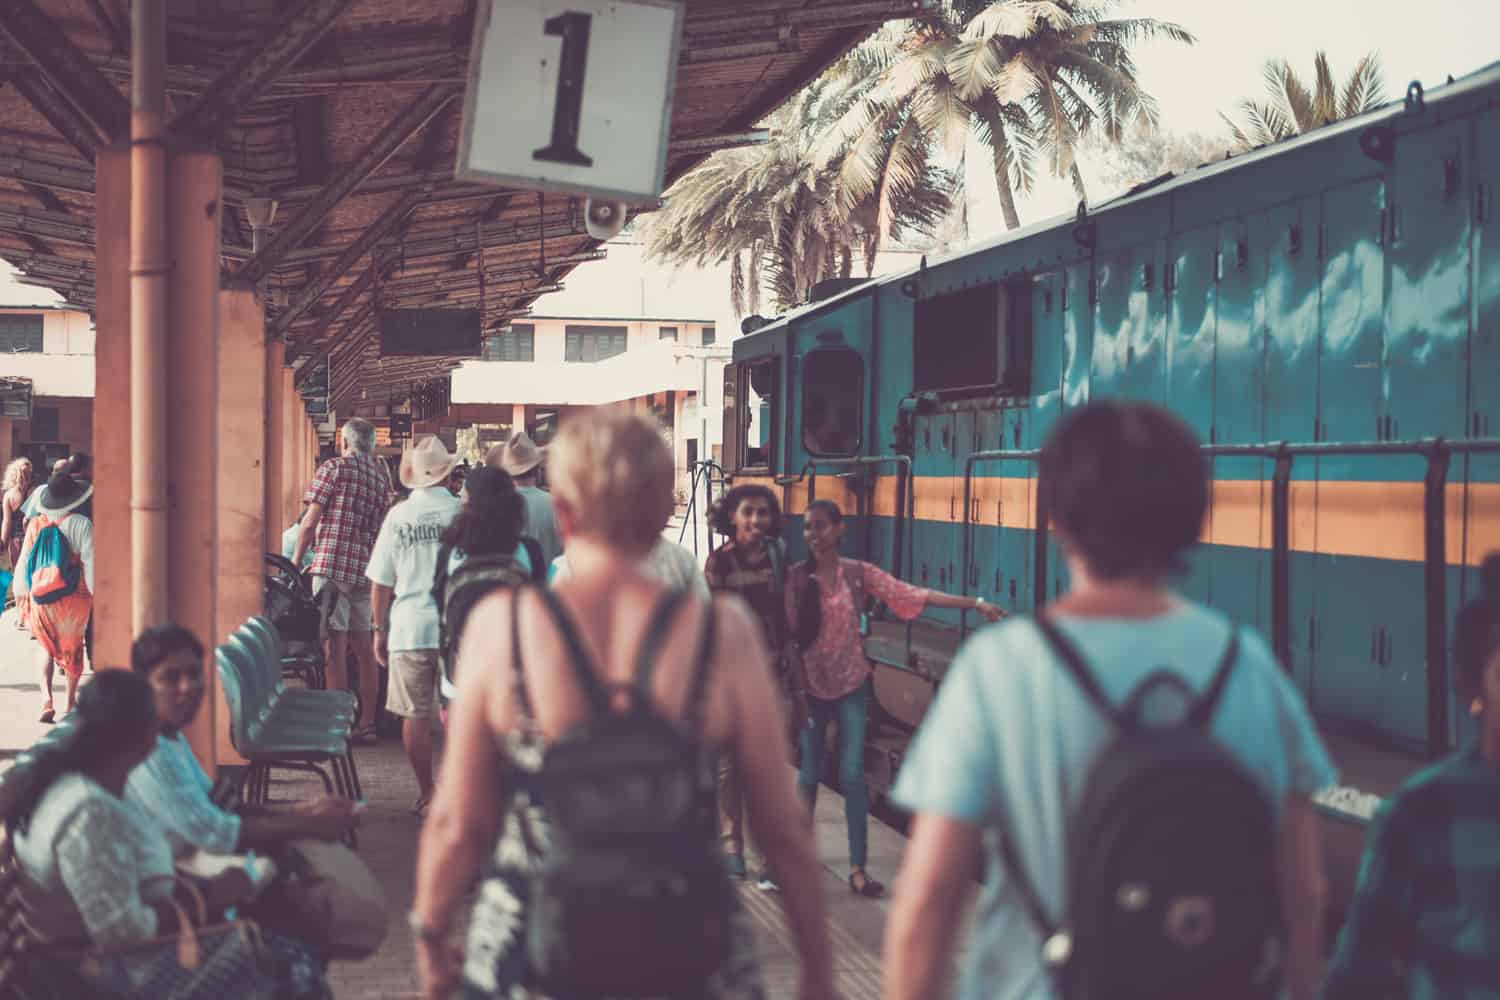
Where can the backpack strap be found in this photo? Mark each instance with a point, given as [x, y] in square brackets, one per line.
[533, 550]
[692, 713]
[1030, 901]
[1068, 653]
[1202, 711]
[578, 658]
[523, 694]
[440, 576]
[656, 633]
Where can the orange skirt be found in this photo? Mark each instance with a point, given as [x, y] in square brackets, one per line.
[60, 628]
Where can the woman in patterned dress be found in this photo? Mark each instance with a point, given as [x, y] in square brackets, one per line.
[14, 489]
[60, 627]
[830, 672]
[612, 491]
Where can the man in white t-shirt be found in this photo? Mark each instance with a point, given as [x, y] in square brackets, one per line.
[406, 617]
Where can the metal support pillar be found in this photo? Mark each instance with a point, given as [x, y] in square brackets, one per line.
[196, 424]
[113, 577]
[149, 270]
[276, 520]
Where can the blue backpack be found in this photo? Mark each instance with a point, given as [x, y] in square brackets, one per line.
[51, 571]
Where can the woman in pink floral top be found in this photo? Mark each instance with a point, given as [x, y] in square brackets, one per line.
[825, 596]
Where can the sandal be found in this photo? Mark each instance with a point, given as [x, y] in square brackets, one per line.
[364, 736]
[420, 809]
[867, 887]
[49, 714]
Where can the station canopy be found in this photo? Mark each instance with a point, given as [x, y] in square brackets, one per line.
[345, 116]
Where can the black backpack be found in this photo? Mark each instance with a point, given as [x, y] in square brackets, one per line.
[631, 897]
[1171, 869]
[475, 577]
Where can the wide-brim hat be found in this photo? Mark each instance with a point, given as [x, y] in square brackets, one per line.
[426, 464]
[517, 456]
[62, 494]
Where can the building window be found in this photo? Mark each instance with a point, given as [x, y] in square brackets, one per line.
[45, 423]
[21, 334]
[516, 342]
[593, 343]
[667, 333]
[709, 336]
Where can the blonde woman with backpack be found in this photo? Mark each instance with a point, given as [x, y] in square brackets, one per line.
[59, 582]
[581, 763]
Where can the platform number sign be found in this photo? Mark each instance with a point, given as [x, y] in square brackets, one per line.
[572, 96]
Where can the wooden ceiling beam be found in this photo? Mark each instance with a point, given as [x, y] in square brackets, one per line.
[66, 67]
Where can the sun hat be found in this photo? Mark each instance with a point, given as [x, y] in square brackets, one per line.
[62, 494]
[517, 456]
[426, 464]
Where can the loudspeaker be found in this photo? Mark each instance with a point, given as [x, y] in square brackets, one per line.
[603, 219]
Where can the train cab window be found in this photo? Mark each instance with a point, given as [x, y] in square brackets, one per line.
[974, 338]
[832, 396]
[757, 413]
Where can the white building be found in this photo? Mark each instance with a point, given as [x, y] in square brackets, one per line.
[46, 383]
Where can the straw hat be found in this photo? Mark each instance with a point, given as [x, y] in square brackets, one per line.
[426, 464]
[517, 456]
[62, 494]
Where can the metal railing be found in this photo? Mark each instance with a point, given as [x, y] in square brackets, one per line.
[1437, 452]
[703, 470]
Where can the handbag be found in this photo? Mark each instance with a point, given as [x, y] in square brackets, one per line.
[225, 961]
[325, 897]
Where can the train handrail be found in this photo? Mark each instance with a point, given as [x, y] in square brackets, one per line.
[704, 467]
[903, 486]
[1437, 451]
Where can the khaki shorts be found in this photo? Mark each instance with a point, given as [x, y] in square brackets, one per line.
[345, 606]
[412, 690]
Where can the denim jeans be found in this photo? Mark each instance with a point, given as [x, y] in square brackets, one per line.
[850, 713]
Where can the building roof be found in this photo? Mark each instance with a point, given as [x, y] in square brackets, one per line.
[308, 96]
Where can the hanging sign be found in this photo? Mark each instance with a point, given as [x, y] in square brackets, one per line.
[428, 332]
[572, 96]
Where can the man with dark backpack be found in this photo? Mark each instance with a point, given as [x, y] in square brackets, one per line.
[1136, 770]
[482, 550]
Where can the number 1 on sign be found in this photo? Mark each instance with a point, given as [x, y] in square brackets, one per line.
[573, 28]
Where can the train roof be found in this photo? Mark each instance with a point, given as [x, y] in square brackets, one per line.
[1481, 87]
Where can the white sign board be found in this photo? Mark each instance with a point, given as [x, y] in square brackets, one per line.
[572, 96]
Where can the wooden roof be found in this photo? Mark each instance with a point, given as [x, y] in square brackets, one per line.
[304, 96]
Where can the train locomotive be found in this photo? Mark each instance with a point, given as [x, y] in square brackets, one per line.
[1324, 312]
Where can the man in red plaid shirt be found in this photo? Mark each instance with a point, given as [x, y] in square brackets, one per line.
[345, 505]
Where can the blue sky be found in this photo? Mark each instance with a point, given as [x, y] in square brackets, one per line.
[1425, 41]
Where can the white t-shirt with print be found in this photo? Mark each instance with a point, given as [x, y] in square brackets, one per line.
[404, 558]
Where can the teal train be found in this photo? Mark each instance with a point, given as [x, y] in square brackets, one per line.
[1324, 312]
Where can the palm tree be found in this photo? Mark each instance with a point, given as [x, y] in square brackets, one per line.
[1292, 108]
[777, 215]
[1026, 77]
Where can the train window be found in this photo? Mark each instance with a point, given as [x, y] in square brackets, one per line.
[832, 393]
[757, 413]
[975, 338]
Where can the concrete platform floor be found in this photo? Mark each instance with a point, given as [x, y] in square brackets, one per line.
[388, 838]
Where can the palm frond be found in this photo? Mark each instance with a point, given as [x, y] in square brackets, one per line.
[1325, 92]
[1129, 31]
[1365, 90]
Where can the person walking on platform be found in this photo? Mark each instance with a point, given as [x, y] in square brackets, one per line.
[345, 506]
[1038, 718]
[521, 459]
[832, 679]
[401, 569]
[1425, 921]
[605, 877]
[56, 574]
[751, 564]
[15, 491]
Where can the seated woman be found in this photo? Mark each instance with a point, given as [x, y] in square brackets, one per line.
[171, 786]
[1425, 913]
[96, 871]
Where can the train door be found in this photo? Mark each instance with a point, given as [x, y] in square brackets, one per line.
[1017, 514]
[1191, 291]
[932, 467]
[1346, 673]
[1482, 472]
[1240, 542]
[1291, 394]
[1426, 345]
[984, 510]
[1048, 364]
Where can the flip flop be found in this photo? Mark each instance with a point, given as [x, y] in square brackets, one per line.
[420, 809]
[48, 715]
[365, 736]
